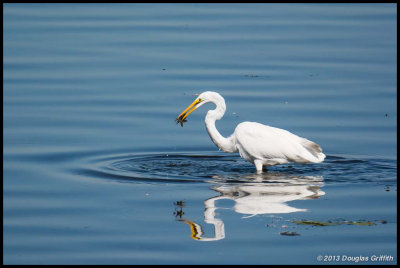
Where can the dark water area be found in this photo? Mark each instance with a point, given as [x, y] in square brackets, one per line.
[96, 171]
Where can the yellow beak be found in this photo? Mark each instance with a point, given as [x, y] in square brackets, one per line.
[181, 118]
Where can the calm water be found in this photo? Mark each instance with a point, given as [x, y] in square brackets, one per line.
[97, 172]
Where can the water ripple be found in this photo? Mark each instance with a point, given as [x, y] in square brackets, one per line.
[217, 167]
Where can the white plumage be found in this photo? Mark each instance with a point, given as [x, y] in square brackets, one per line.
[257, 143]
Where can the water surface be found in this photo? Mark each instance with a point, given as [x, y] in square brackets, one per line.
[97, 172]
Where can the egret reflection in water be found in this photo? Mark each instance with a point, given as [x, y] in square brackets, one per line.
[252, 193]
[262, 194]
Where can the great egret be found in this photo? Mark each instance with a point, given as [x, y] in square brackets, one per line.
[257, 143]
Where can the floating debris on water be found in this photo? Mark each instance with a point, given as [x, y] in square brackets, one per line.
[287, 233]
[314, 223]
[331, 223]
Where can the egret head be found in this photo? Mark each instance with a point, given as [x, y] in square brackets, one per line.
[202, 98]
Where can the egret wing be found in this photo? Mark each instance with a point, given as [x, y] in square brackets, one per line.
[258, 141]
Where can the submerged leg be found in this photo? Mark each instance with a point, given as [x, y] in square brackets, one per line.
[259, 165]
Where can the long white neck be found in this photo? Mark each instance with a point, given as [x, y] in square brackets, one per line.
[224, 144]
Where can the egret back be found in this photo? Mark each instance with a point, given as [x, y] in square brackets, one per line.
[274, 145]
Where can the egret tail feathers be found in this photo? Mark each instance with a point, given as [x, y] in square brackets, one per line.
[313, 149]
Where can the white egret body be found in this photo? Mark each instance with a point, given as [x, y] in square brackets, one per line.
[257, 143]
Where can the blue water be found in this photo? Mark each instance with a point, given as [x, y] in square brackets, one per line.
[97, 172]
